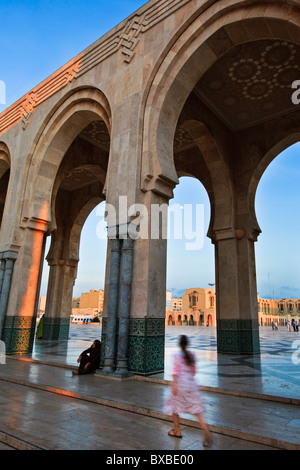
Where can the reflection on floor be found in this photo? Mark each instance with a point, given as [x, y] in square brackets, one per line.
[276, 371]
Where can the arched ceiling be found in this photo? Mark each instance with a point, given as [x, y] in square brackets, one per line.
[97, 141]
[252, 83]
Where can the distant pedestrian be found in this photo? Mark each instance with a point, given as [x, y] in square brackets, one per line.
[296, 325]
[185, 396]
[39, 330]
[288, 325]
[89, 360]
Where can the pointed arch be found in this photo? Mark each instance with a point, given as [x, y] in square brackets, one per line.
[221, 194]
[269, 156]
[208, 37]
[63, 125]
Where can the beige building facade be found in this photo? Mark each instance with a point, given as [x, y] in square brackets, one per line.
[89, 304]
[197, 308]
[278, 310]
[92, 299]
[180, 88]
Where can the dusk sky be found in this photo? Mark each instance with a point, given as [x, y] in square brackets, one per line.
[37, 38]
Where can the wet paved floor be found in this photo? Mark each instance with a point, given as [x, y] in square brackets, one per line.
[275, 372]
[251, 403]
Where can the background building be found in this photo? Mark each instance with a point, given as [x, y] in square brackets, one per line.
[92, 300]
[278, 310]
[87, 306]
[90, 305]
[196, 308]
[177, 303]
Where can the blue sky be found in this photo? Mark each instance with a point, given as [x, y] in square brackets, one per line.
[38, 37]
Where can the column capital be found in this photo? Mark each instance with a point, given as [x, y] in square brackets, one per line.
[9, 254]
[63, 262]
[36, 224]
[160, 185]
[234, 233]
[227, 233]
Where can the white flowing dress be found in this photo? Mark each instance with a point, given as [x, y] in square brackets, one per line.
[188, 398]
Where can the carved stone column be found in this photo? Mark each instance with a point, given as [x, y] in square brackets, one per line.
[124, 307]
[110, 327]
[59, 299]
[19, 325]
[237, 322]
[6, 270]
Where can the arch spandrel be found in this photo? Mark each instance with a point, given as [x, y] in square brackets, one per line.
[64, 124]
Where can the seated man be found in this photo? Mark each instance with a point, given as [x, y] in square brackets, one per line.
[89, 360]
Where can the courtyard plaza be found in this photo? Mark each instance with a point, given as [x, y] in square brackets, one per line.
[251, 403]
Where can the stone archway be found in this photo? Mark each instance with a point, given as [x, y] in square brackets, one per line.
[275, 149]
[5, 163]
[274, 211]
[188, 59]
[68, 167]
[63, 125]
[215, 59]
[79, 187]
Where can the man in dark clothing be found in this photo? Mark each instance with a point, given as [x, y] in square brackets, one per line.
[89, 360]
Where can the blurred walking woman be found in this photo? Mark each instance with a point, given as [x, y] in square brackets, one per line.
[185, 396]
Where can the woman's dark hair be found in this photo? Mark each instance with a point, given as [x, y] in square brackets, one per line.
[188, 357]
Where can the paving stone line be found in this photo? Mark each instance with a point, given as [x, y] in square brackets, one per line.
[204, 388]
[225, 430]
[16, 442]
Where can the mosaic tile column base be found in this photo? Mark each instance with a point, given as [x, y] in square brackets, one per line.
[238, 337]
[146, 345]
[56, 328]
[18, 334]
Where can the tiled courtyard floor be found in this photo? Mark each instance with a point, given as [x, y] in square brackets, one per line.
[251, 403]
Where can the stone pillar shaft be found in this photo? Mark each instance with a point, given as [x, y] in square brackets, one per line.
[59, 299]
[124, 306]
[19, 326]
[237, 323]
[113, 300]
[2, 269]
[7, 264]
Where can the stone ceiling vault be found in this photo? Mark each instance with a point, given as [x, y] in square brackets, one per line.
[251, 83]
